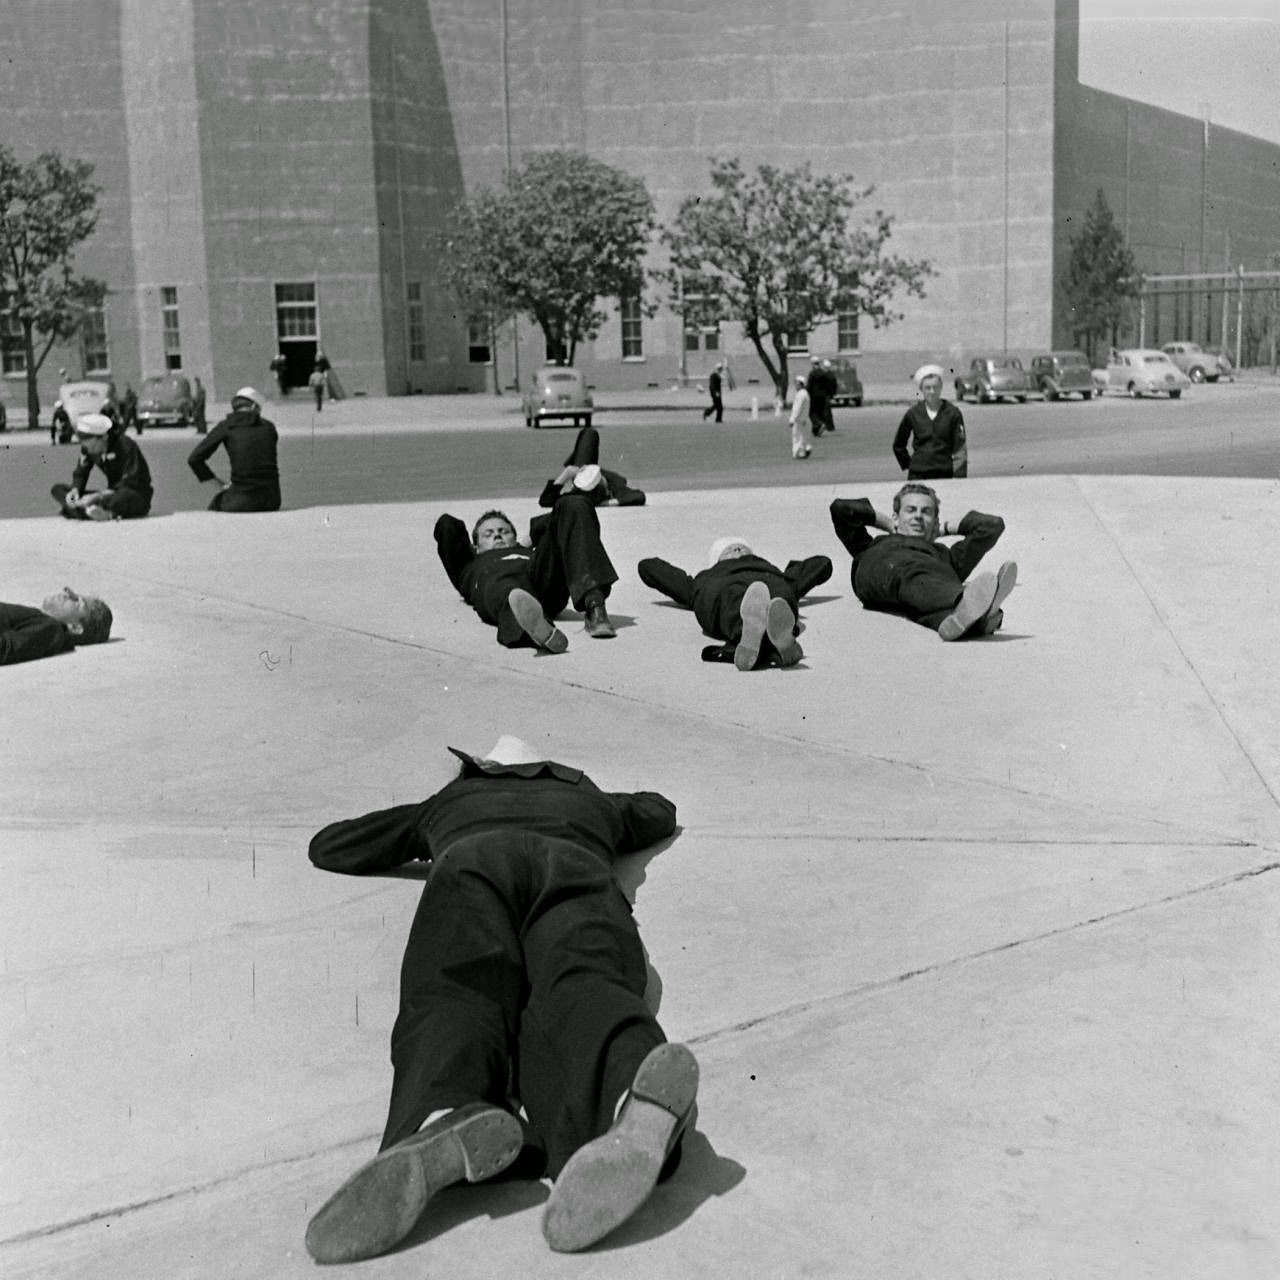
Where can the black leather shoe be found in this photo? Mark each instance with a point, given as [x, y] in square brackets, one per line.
[381, 1202]
[607, 1180]
[598, 625]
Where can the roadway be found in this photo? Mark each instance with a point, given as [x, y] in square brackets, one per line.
[1219, 431]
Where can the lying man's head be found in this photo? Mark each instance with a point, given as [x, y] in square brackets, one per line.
[728, 549]
[86, 617]
[493, 530]
[916, 511]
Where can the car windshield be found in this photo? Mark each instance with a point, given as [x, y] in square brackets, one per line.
[1155, 358]
[94, 394]
[1006, 364]
[562, 377]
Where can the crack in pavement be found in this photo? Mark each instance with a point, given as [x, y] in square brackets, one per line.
[954, 962]
[710, 1037]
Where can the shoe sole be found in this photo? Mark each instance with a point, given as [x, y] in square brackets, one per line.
[780, 626]
[607, 1180]
[1006, 580]
[381, 1203]
[978, 595]
[533, 622]
[754, 612]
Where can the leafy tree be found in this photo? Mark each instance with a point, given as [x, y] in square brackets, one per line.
[775, 251]
[47, 207]
[565, 232]
[468, 271]
[1101, 277]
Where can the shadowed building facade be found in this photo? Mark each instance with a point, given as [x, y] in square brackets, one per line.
[279, 176]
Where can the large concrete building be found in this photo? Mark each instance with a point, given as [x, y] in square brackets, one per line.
[277, 175]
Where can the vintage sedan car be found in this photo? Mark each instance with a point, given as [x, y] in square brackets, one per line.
[1198, 364]
[556, 391]
[1062, 373]
[994, 378]
[79, 398]
[848, 384]
[166, 401]
[1141, 372]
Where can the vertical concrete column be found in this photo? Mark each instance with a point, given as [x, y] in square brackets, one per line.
[165, 188]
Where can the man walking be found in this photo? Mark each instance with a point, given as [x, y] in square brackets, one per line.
[934, 428]
[715, 386]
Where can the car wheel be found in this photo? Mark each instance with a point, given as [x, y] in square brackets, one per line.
[1051, 392]
[1134, 392]
[1086, 395]
[1021, 399]
[857, 402]
[1195, 373]
[586, 420]
[1173, 395]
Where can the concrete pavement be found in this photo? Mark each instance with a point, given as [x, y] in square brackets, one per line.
[975, 943]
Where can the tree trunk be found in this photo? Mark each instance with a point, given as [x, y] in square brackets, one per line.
[779, 378]
[33, 391]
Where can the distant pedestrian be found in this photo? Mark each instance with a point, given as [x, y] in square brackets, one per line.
[934, 428]
[250, 442]
[129, 409]
[831, 389]
[198, 400]
[715, 386]
[817, 388]
[4, 417]
[60, 424]
[316, 383]
[279, 367]
[799, 417]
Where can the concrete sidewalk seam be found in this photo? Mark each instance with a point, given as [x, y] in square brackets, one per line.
[1177, 644]
[955, 962]
[199, 1188]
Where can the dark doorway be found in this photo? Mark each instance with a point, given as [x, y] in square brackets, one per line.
[300, 360]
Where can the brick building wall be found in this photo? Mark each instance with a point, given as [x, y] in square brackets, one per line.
[321, 143]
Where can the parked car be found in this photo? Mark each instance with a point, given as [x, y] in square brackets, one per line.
[556, 391]
[166, 401]
[1197, 363]
[1061, 373]
[848, 384]
[79, 398]
[1141, 372]
[994, 378]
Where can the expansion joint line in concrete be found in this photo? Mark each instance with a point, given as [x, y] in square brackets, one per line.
[756, 732]
[1177, 644]
[863, 990]
[199, 1188]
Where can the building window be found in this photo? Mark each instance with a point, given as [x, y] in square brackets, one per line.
[416, 319]
[93, 341]
[632, 336]
[169, 324]
[296, 312]
[847, 317]
[478, 340]
[702, 338]
[13, 351]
